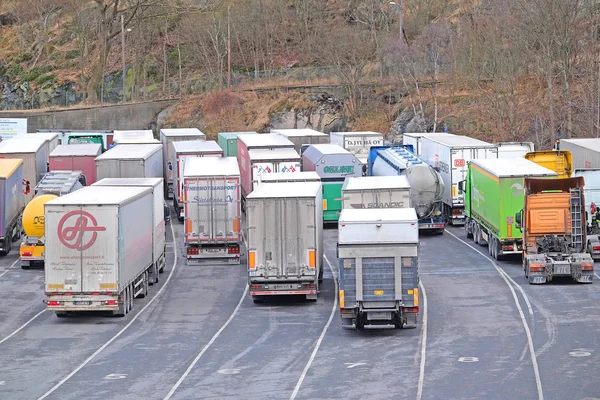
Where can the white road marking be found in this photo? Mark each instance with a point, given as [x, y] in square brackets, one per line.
[468, 359]
[595, 274]
[536, 371]
[105, 345]
[320, 340]
[231, 371]
[212, 340]
[9, 268]
[22, 326]
[2, 383]
[115, 376]
[580, 353]
[352, 365]
[423, 343]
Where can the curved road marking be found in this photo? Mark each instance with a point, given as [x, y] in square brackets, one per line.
[423, 343]
[9, 268]
[320, 340]
[105, 345]
[538, 380]
[22, 326]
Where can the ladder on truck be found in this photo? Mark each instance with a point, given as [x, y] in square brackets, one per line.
[561, 165]
[576, 222]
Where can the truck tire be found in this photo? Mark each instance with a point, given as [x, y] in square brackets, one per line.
[476, 234]
[258, 299]
[131, 291]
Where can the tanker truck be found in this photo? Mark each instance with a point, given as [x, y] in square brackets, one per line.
[52, 185]
[426, 185]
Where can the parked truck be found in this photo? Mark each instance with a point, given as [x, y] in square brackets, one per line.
[228, 141]
[285, 240]
[168, 136]
[76, 157]
[182, 152]
[592, 207]
[585, 153]
[159, 213]
[119, 136]
[553, 223]
[212, 233]
[302, 176]
[376, 192]
[449, 155]
[98, 249]
[378, 252]
[54, 184]
[358, 143]
[141, 161]
[51, 139]
[493, 193]
[33, 153]
[103, 138]
[333, 164]
[514, 149]
[414, 139]
[12, 204]
[302, 137]
[560, 161]
[426, 184]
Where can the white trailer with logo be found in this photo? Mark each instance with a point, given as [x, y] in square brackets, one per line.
[168, 136]
[376, 192]
[585, 152]
[358, 143]
[450, 155]
[414, 139]
[98, 249]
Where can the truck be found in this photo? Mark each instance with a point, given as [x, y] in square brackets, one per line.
[302, 176]
[333, 164]
[52, 185]
[228, 141]
[591, 192]
[449, 155]
[182, 152]
[12, 204]
[76, 157]
[560, 161]
[493, 194]
[104, 138]
[514, 149]
[376, 192]
[33, 153]
[51, 139]
[357, 143]
[414, 139]
[212, 227]
[285, 240]
[141, 161]
[302, 137]
[119, 136]
[168, 136]
[426, 184]
[553, 223]
[159, 213]
[585, 153]
[98, 249]
[378, 252]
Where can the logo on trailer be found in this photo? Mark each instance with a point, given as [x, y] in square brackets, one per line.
[459, 162]
[72, 235]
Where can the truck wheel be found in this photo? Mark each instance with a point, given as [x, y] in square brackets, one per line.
[131, 289]
[122, 309]
[258, 299]
[476, 234]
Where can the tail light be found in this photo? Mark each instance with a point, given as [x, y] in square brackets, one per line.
[233, 250]
[308, 285]
[193, 250]
[111, 302]
[596, 248]
[507, 247]
[457, 211]
[410, 309]
[53, 303]
[537, 267]
[312, 259]
[27, 254]
[415, 293]
[256, 287]
[251, 259]
[587, 266]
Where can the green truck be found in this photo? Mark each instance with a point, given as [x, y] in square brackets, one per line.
[494, 193]
[333, 164]
[229, 143]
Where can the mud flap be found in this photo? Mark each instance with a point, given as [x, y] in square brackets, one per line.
[537, 280]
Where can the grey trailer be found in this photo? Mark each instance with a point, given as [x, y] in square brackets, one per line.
[168, 136]
[302, 137]
[140, 161]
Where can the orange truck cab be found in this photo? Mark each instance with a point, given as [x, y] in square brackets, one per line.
[553, 222]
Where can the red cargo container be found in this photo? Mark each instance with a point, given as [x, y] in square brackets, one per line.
[76, 157]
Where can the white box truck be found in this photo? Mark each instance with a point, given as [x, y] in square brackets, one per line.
[35, 160]
[159, 212]
[168, 136]
[98, 249]
[450, 155]
[285, 239]
[376, 192]
[212, 216]
[414, 139]
[302, 176]
[140, 161]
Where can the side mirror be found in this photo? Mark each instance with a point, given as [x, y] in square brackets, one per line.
[519, 219]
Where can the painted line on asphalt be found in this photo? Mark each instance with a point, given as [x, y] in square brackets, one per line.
[536, 371]
[320, 340]
[594, 274]
[9, 268]
[22, 326]
[423, 343]
[212, 340]
[115, 337]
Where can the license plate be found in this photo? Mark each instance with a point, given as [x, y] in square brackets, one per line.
[284, 287]
[379, 315]
[562, 270]
[82, 303]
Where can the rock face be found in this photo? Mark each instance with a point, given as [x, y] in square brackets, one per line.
[326, 114]
[21, 95]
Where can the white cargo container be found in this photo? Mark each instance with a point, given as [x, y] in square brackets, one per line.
[514, 149]
[376, 192]
[138, 141]
[585, 152]
[168, 136]
[450, 156]
[302, 176]
[285, 239]
[182, 152]
[302, 137]
[140, 161]
[414, 139]
[35, 161]
[212, 210]
[51, 139]
[158, 217]
[357, 143]
[119, 136]
[98, 249]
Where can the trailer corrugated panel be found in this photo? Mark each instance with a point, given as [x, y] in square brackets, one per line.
[302, 137]
[229, 143]
[357, 142]
[11, 192]
[168, 136]
[140, 161]
[585, 152]
[51, 139]
[376, 192]
[76, 157]
[514, 149]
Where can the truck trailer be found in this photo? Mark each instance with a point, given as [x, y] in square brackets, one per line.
[302, 176]
[302, 137]
[119, 136]
[514, 149]
[182, 152]
[228, 141]
[212, 227]
[285, 240]
[98, 249]
[333, 164]
[76, 157]
[560, 161]
[159, 212]
[51, 139]
[414, 139]
[493, 193]
[591, 192]
[33, 153]
[378, 252]
[103, 138]
[140, 161]
[376, 192]
[585, 153]
[357, 143]
[168, 136]
[12, 204]
[450, 155]
[553, 222]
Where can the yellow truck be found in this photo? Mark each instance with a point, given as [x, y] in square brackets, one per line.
[560, 161]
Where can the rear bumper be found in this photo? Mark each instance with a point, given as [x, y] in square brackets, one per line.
[431, 226]
[202, 255]
[282, 292]
[82, 302]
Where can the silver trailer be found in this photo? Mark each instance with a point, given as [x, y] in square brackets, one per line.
[414, 139]
[358, 143]
[159, 211]
[285, 239]
[119, 136]
[35, 160]
[12, 204]
[591, 193]
[378, 253]
[212, 232]
[302, 137]
[168, 136]
[585, 152]
[376, 192]
[302, 176]
[98, 249]
[51, 139]
[140, 161]
[514, 149]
